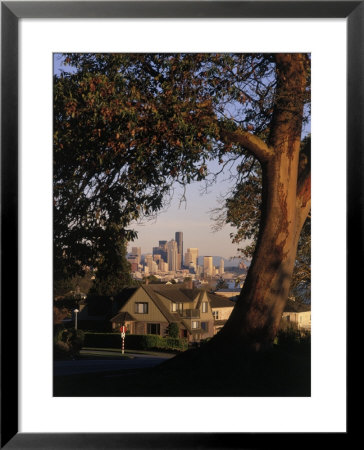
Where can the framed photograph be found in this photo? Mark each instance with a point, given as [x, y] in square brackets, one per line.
[234, 68]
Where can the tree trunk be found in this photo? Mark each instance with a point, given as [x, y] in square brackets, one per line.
[285, 204]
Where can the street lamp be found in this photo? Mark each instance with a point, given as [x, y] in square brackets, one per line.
[76, 312]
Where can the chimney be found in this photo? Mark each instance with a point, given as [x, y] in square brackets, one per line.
[189, 284]
[146, 281]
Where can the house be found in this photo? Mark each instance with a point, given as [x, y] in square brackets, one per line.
[221, 310]
[297, 314]
[151, 308]
[98, 310]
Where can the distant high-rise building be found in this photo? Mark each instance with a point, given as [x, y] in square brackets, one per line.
[137, 251]
[179, 240]
[191, 257]
[161, 250]
[148, 262]
[172, 255]
[208, 266]
[221, 268]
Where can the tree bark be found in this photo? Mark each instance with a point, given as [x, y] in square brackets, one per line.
[255, 319]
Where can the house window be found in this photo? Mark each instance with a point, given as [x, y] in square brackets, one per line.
[288, 318]
[215, 315]
[195, 324]
[141, 308]
[153, 328]
[205, 326]
[204, 307]
[180, 308]
[174, 307]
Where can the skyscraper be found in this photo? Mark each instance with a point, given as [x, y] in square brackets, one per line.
[179, 240]
[207, 266]
[148, 262]
[191, 257]
[136, 251]
[172, 255]
[221, 268]
[161, 250]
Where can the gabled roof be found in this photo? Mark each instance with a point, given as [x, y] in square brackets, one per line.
[150, 291]
[122, 317]
[200, 297]
[294, 306]
[219, 301]
[175, 293]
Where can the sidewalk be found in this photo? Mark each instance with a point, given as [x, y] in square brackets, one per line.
[93, 351]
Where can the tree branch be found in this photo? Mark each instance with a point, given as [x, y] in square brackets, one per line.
[248, 140]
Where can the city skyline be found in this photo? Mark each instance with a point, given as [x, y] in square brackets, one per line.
[193, 219]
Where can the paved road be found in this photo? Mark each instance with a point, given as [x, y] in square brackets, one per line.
[112, 363]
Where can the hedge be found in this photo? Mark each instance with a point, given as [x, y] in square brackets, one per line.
[134, 341]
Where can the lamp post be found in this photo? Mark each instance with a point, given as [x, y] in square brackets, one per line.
[76, 312]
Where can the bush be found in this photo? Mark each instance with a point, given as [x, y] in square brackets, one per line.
[68, 342]
[292, 337]
[173, 330]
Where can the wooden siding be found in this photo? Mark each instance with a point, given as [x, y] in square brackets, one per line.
[302, 319]
[140, 296]
[224, 312]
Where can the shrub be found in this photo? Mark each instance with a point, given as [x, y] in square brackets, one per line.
[67, 342]
[292, 337]
[173, 330]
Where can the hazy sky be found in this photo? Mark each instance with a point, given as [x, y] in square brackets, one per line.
[193, 219]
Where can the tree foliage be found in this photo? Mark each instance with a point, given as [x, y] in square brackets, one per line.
[129, 126]
[113, 270]
[221, 284]
[126, 127]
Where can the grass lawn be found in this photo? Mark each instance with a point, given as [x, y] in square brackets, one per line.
[281, 371]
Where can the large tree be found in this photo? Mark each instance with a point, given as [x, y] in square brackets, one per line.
[241, 209]
[128, 126]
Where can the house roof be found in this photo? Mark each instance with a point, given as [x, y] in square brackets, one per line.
[175, 293]
[220, 322]
[122, 317]
[294, 306]
[218, 301]
[229, 290]
[167, 314]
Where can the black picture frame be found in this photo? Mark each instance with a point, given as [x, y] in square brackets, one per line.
[11, 12]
